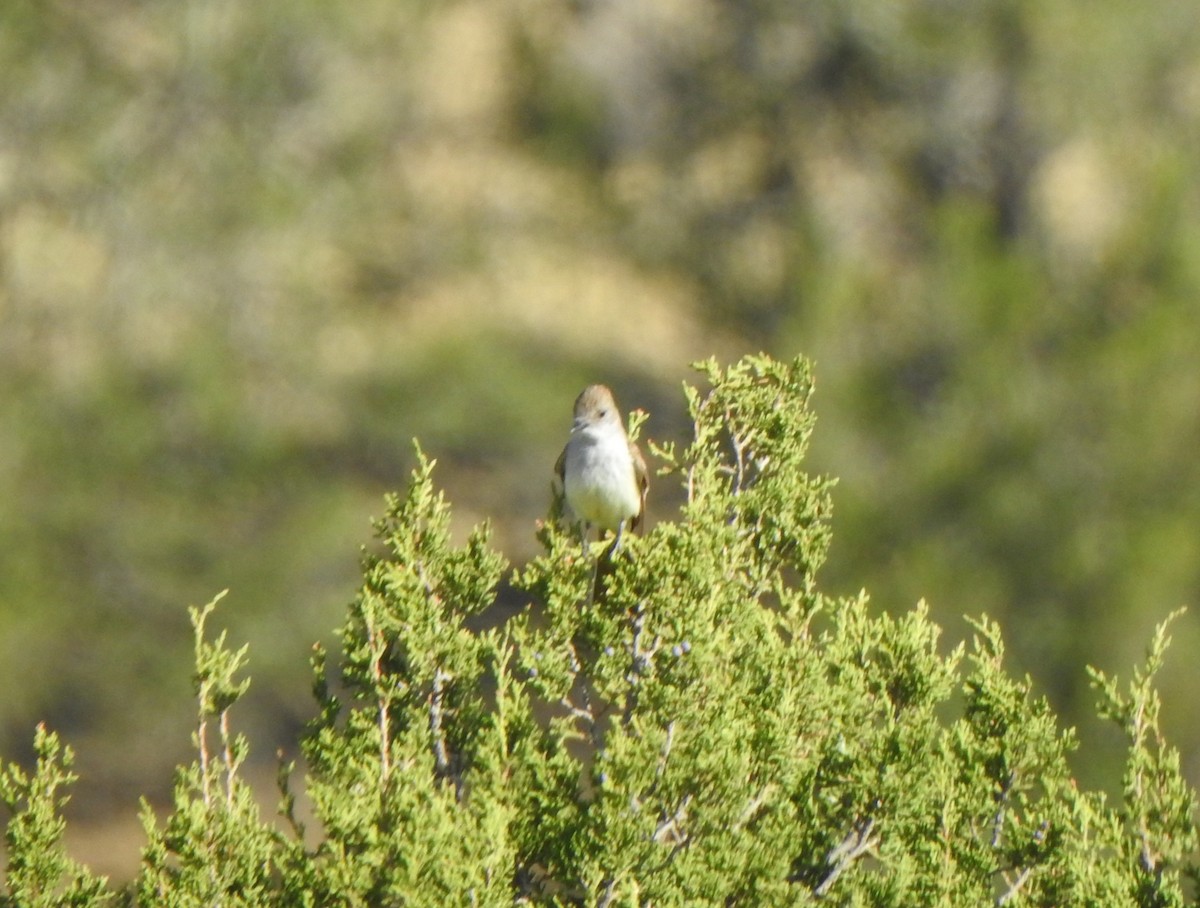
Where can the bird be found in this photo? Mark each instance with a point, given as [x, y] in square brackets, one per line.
[602, 473]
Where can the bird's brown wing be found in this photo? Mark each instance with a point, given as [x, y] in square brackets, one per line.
[558, 488]
[642, 476]
[560, 468]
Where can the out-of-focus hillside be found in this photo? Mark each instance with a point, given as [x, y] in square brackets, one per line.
[248, 251]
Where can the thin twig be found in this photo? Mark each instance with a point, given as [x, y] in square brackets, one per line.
[1138, 734]
[735, 442]
[664, 754]
[637, 662]
[202, 741]
[582, 713]
[288, 805]
[378, 646]
[691, 472]
[230, 766]
[430, 591]
[586, 712]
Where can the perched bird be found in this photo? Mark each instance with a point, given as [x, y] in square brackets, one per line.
[603, 473]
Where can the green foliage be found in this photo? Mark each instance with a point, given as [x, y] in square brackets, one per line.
[678, 691]
[1159, 806]
[213, 849]
[39, 872]
[686, 722]
[408, 783]
[240, 243]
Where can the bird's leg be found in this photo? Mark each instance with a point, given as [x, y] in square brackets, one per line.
[585, 530]
[587, 553]
[617, 543]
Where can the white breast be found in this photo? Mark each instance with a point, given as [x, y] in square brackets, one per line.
[600, 484]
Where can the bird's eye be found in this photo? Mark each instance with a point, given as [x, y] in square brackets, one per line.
[603, 412]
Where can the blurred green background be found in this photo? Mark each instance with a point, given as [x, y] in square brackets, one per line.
[249, 250]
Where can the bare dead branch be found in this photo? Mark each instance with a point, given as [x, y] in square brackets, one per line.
[1002, 802]
[230, 764]
[858, 841]
[378, 648]
[664, 754]
[636, 662]
[202, 743]
[1014, 887]
[755, 804]
[610, 893]
[441, 753]
[670, 828]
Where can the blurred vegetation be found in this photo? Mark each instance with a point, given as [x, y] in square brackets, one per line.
[247, 251]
